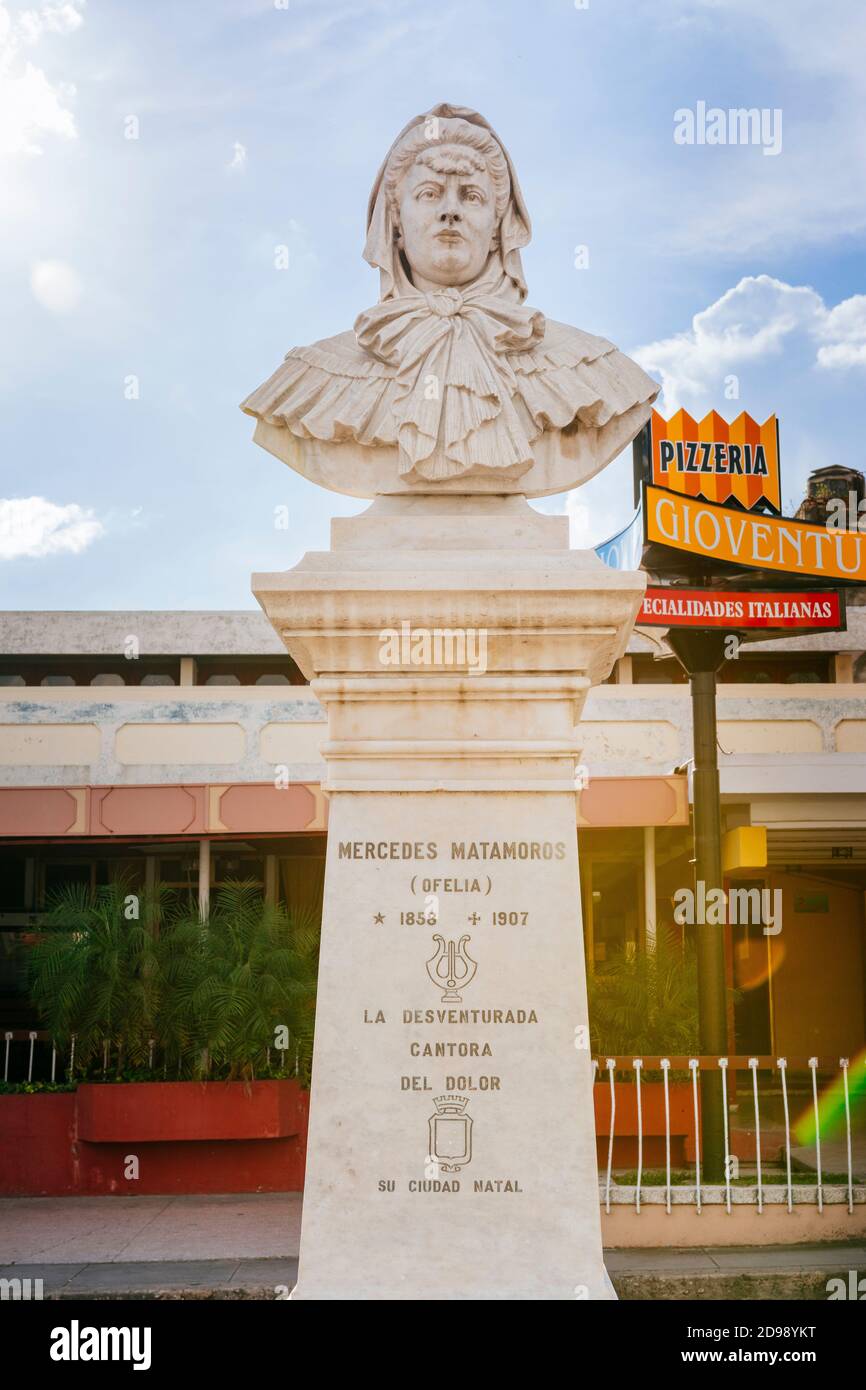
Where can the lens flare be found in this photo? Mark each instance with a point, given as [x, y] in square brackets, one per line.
[831, 1103]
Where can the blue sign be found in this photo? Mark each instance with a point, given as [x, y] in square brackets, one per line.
[624, 550]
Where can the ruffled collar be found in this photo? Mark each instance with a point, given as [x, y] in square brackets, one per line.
[449, 351]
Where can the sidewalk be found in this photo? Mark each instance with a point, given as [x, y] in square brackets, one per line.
[246, 1247]
[112, 1230]
[243, 1246]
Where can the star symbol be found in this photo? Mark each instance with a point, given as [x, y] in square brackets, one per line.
[378, 919]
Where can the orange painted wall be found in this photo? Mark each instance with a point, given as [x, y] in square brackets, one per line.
[818, 971]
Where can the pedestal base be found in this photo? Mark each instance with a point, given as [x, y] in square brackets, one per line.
[452, 1142]
[451, 1152]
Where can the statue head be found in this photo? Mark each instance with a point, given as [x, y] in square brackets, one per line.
[445, 206]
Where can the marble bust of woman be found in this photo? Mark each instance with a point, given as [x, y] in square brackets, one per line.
[451, 382]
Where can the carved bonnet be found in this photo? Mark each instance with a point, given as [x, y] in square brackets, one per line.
[446, 125]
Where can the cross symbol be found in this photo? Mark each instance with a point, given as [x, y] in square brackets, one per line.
[474, 919]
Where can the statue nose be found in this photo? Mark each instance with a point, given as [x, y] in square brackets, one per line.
[450, 215]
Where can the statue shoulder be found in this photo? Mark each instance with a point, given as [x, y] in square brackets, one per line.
[582, 365]
[339, 356]
[311, 383]
[574, 342]
[329, 390]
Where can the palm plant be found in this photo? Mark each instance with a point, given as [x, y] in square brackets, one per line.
[218, 998]
[646, 1004]
[240, 988]
[92, 971]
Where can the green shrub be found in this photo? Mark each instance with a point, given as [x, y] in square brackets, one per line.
[645, 1004]
[232, 982]
[165, 995]
[93, 973]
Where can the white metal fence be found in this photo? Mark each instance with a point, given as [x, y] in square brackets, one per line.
[834, 1076]
[29, 1056]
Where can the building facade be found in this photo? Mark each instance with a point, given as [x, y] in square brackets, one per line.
[183, 748]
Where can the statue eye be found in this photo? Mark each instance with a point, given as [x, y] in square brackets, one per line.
[472, 195]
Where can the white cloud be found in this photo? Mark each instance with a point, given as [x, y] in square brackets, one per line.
[56, 286]
[52, 19]
[32, 105]
[238, 161]
[33, 526]
[581, 531]
[594, 517]
[750, 323]
[842, 355]
[844, 332]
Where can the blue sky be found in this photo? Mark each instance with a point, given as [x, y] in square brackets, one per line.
[140, 302]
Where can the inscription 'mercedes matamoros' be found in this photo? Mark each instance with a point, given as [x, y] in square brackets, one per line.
[460, 849]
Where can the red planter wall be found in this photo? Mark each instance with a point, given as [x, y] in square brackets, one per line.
[174, 1169]
[37, 1146]
[187, 1138]
[225, 1137]
[158, 1111]
[682, 1123]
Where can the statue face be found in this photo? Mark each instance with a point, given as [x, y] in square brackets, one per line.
[447, 212]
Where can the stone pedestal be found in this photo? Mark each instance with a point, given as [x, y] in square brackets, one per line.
[452, 1144]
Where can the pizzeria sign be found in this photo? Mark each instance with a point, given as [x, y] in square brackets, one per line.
[730, 462]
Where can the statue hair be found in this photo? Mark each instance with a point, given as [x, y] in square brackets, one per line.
[449, 132]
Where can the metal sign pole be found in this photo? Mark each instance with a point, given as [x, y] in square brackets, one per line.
[702, 653]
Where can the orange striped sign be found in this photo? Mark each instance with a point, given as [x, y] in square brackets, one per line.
[719, 461]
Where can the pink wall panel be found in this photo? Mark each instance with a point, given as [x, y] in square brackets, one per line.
[616, 801]
[266, 807]
[245, 808]
[148, 811]
[37, 811]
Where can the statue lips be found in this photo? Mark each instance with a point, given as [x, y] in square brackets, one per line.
[450, 239]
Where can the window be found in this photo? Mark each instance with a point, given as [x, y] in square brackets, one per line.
[645, 670]
[238, 867]
[62, 874]
[782, 668]
[180, 871]
[107, 669]
[13, 884]
[247, 670]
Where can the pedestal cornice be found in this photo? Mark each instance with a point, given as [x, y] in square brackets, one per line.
[541, 624]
